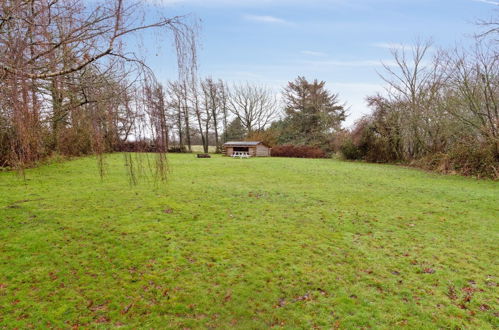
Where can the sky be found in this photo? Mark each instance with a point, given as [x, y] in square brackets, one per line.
[343, 42]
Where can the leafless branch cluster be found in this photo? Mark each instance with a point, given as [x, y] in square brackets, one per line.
[442, 105]
[68, 82]
[201, 111]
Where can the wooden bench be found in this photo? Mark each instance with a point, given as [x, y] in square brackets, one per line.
[241, 154]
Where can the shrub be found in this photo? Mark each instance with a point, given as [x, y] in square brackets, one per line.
[176, 149]
[74, 142]
[350, 151]
[464, 159]
[136, 146]
[298, 152]
[144, 146]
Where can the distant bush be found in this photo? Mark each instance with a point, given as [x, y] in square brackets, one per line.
[176, 149]
[144, 146]
[463, 159]
[136, 146]
[298, 152]
[350, 151]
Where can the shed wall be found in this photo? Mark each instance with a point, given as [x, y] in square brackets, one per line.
[262, 151]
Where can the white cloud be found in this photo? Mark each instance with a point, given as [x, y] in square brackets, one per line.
[313, 53]
[265, 19]
[490, 2]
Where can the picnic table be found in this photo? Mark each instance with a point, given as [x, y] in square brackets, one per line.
[241, 154]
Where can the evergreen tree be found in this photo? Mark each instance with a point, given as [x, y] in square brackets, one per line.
[235, 131]
[312, 113]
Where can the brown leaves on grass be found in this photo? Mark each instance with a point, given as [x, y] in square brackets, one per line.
[280, 303]
[468, 293]
[484, 307]
[277, 323]
[310, 296]
[102, 319]
[127, 308]
[452, 293]
[228, 296]
[256, 195]
[306, 297]
[96, 308]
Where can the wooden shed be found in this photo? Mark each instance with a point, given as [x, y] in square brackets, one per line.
[253, 148]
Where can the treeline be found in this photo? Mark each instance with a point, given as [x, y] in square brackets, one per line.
[70, 84]
[440, 112]
[213, 112]
[209, 112]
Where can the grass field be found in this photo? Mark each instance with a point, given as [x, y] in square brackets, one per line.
[199, 149]
[254, 243]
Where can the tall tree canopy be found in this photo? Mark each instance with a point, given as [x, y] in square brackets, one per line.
[312, 112]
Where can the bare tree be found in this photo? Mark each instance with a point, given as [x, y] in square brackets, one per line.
[223, 97]
[441, 112]
[56, 59]
[414, 84]
[474, 87]
[157, 111]
[213, 94]
[255, 106]
[176, 103]
[490, 27]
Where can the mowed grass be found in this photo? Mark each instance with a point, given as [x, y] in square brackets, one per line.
[199, 149]
[252, 243]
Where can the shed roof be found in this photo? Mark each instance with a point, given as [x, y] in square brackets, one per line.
[242, 143]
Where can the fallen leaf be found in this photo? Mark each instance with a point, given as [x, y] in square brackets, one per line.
[452, 293]
[228, 296]
[305, 297]
[126, 309]
[280, 303]
[102, 319]
[484, 307]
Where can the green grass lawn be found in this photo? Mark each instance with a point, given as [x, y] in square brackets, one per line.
[199, 149]
[252, 243]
